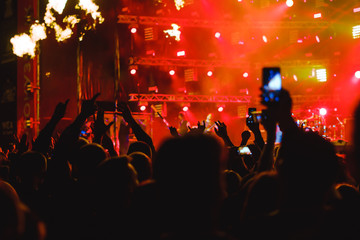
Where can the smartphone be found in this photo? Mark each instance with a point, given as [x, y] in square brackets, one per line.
[250, 110]
[244, 150]
[271, 83]
[257, 116]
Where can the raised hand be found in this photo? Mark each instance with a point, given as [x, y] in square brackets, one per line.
[23, 144]
[100, 128]
[88, 107]
[125, 111]
[221, 129]
[60, 109]
[199, 129]
[173, 131]
[252, 125]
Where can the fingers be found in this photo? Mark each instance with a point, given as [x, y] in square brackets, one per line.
[109, 125]
[93, 99]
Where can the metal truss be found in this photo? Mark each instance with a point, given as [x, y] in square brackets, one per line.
[148, 20]
[188, 98]
[151, 61]
[188, 62]
[300, 101]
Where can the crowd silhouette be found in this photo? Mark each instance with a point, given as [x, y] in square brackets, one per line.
[195, 185]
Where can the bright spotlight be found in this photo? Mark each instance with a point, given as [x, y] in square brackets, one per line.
[133, 71]
[220, 109]
[133, 30]
[245, 75]
[265, 39]
[289, 3]
[185, 108]
[209, 73]
[142, 108]
[172, 72]
[322, 111]
[217, 34]
[357, 74]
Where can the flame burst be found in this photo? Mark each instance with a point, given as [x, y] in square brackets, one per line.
[175, 32]
[91, 8]
[179, 4]
[23, 44]
[26, 43]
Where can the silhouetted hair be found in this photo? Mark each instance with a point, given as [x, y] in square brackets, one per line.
[140, 146]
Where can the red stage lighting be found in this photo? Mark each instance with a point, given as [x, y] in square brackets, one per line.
[217, 34]
[209, 73]
[245, 75]
[142, 108]
[172, 72]
[220, 109]
[185, 108]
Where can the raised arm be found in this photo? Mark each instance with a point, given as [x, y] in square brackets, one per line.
[221, 131]
[43, 141]
[140, 134]
[255, 129]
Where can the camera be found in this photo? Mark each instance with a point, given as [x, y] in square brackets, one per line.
[271, 83]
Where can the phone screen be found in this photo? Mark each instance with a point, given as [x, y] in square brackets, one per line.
[278, 134]
[271, 81]
[244, 150]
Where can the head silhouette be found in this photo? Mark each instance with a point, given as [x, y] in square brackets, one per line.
[142, 164]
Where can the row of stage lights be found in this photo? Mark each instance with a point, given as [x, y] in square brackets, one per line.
[321, 74]
[185, 107]
[133, 70]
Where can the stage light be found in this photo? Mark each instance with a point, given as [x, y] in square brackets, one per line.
[185, 108]
[321, 75]
[357, 74]
[264, 39]
[289, 3]
[142, 105]
[133, 69]
[209, 73]
[172, 72]
[217, 34]
[356, 31]
[317, 39]
[245, 75]
[317, 15]
[220, 108]
[322, 111]
[180, 53]
[356, 10]
[295, 78]
[133, 30]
